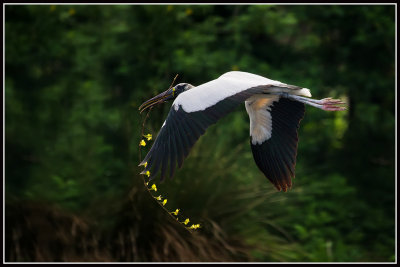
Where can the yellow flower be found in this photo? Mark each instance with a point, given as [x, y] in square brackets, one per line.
[164, 202]
[145, 164]
[71, 11]
[194, 226]
[148, 137]
[159, 197]
[142, 143]
[153, 187]
[148, 174]
[186, 221]
[175, 212]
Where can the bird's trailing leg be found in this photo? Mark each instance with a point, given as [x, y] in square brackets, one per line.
[328, 104]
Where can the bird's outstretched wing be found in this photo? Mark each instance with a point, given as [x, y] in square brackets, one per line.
[193, 111]
[182, 129]
[276, 155]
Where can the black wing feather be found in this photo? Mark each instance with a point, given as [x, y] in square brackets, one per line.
[276, 157]
[184, 129]
[179, 146]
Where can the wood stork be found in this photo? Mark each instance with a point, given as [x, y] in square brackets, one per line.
[275, 110]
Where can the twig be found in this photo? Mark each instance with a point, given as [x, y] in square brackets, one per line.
[176, 76]
[146, 183]
[142, 133]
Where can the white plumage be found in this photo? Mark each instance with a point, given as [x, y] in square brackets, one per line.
[228, 84]
[260, 118]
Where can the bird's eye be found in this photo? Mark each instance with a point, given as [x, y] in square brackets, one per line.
[173, 91]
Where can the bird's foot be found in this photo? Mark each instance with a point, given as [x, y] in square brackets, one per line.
[328, 104]
[331, 104]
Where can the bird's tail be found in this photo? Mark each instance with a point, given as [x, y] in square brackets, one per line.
[304, 92]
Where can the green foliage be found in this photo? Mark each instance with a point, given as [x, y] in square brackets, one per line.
[76, 75]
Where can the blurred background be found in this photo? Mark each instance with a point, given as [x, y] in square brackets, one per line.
[75, 76]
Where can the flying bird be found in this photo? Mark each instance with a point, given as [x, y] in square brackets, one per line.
[275, 110]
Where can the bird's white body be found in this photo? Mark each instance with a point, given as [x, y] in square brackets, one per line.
[228, 84]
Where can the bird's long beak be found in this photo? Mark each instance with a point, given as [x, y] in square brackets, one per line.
[161, 98]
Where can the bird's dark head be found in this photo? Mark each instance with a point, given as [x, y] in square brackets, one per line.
[170, 94]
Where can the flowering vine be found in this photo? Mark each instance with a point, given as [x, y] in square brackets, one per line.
[162, 201]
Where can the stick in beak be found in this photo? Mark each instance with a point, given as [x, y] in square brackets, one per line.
[161, 98]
